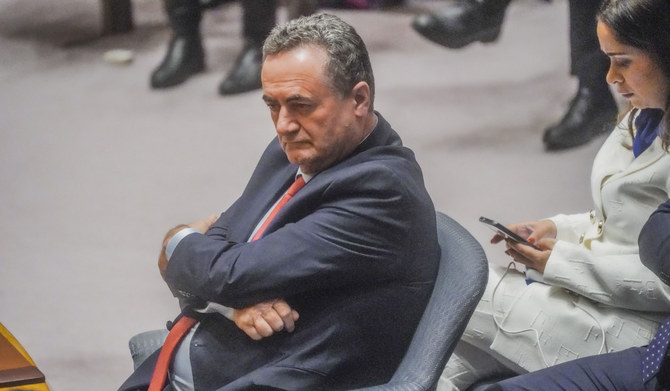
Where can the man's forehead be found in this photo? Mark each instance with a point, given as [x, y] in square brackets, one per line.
[295, 75]
[311, 55]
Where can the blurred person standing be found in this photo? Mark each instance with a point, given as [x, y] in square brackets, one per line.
[592, 109]
[185, 54]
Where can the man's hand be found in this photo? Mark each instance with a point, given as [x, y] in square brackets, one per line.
[264, 319]
[204, 224]
[201, 225]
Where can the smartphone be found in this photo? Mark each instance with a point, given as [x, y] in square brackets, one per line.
[504, 231]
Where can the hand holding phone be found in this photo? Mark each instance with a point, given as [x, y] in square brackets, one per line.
[506, 232]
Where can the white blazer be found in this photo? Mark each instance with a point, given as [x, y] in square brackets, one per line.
[594, 285]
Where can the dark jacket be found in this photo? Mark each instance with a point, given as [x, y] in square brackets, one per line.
[654, 242]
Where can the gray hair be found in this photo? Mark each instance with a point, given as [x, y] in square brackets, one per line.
[348, 59]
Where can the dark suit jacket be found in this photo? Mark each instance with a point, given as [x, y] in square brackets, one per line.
[354, 252]
[654, 242]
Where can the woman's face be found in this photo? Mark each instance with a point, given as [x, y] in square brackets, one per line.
[633, 72]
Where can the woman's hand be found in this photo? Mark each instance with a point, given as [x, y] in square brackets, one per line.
[541, 233]
[530, 257]
[532, 231]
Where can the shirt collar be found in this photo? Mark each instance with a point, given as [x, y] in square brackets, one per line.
[306, 177]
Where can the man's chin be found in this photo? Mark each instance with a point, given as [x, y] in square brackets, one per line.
[298, 159]
[307, 166]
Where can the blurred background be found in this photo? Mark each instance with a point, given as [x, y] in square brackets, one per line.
[95, 166]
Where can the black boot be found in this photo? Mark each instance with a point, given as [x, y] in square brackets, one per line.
[246, 73]
[258, 19]
[592, 112]
[463, 22]
[185, 55]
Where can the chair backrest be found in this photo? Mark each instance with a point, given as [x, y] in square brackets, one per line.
[460, 283]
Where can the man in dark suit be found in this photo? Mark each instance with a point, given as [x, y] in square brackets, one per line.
[327, 292]
[640, 368]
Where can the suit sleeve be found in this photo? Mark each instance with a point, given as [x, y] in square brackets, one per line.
[616, 280]
[353, 235]
[569, 227]
[654, 242]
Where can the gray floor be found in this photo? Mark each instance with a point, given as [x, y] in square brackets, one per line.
[96, 166]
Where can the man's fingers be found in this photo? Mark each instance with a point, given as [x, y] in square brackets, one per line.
[263, 328]
[252, 333]
[211, 220]
[286, 314]
[282, 308]
[272, 319]
[162, 264]
[264, 319]
[204, 224]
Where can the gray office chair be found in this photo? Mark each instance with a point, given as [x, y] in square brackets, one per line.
[460, 284]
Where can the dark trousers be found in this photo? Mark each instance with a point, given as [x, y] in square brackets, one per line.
[620, 371]
[259, 16]
[587, 61]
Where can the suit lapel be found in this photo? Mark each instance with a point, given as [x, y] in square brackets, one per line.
[618, 162]
[614, 157]
[265, 188]
[650, 156]
[272, 190]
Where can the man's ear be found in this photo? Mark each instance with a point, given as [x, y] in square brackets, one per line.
[361, 95]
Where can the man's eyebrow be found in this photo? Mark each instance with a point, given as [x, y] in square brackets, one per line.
[296, 97]
[292, 98]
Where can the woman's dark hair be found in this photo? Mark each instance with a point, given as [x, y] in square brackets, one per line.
[643, 24]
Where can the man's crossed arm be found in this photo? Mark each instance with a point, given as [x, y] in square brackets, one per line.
[258, 321]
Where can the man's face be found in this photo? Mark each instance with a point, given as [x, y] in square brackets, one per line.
[316, 127]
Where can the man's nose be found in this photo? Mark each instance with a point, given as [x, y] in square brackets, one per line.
[286, 123]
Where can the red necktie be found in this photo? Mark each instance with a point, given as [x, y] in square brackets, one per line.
[184, 324]
[297, 185]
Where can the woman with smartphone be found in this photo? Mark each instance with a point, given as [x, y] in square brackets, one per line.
[585, 291]
[644, 368]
